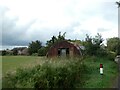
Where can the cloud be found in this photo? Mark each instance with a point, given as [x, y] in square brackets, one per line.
[13, 34]
[28, 20]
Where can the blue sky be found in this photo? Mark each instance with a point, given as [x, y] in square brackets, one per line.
[24, 21]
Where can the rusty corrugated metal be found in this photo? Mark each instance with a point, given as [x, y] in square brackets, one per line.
[53, 51]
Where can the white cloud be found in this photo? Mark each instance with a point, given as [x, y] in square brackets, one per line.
[45, 18]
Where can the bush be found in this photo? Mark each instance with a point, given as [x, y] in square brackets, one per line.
[4, 53]
[35, 54]
[101, 52]
[51, 74]
[111, 55]
[42, 51]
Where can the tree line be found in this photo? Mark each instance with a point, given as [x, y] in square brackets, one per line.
[93, 45]
[36, 48]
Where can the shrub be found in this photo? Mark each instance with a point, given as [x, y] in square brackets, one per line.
[101, 52]
[35, 54]
[4, 53]
[111, 55]
[42, 51]
[51, 74]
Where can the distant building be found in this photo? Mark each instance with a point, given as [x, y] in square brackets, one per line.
[64, 49]
[15, 51]
[21, 50]
[9, 52]
[25, 51]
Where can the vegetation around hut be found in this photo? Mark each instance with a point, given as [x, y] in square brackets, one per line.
[41, 72]
[34, 71]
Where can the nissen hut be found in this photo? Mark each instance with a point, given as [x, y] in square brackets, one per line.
[64, 49]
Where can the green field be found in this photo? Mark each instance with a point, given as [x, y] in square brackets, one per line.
[93, 79]
[10, 63]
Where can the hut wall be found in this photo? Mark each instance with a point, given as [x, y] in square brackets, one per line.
[53, 51]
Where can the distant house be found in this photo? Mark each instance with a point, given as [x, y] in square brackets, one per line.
[21, 50]
[9, 52]
[64, 49]
[25, 51]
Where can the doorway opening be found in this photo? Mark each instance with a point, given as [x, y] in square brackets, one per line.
[63, 52]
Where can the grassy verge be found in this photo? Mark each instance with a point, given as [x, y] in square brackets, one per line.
[95, 79]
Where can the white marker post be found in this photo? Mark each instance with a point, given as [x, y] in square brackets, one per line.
[101, 69]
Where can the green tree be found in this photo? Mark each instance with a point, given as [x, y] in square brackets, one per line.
[118, 3]
[61, 37]
[42, 51]
[4, 53]
[34, 46]
[55, 39]
[97, 40]
[93, 45]
[113, 44]
[88, 45]
[52, 41]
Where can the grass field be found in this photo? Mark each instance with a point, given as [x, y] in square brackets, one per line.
[93, 79]
[10, 63]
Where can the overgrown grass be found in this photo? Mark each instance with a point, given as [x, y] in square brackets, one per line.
[50, 73]
[96, 80]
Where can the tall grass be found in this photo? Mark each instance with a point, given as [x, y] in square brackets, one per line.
[110, 71]
[64, 73]
[51, 74]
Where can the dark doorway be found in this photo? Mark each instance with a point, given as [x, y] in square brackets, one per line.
[63, 52]
[59, 52]
[67, 51]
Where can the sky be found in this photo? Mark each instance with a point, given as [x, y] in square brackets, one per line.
[23, 21]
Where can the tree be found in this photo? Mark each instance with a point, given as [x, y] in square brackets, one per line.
[113, 44]
[52, 41]
[34, 46]
[61, 37]
[4, 53]
[55, 39]
[97, 40]
[118, 3]
[88, 45]
[42, 51]
[93, 45]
